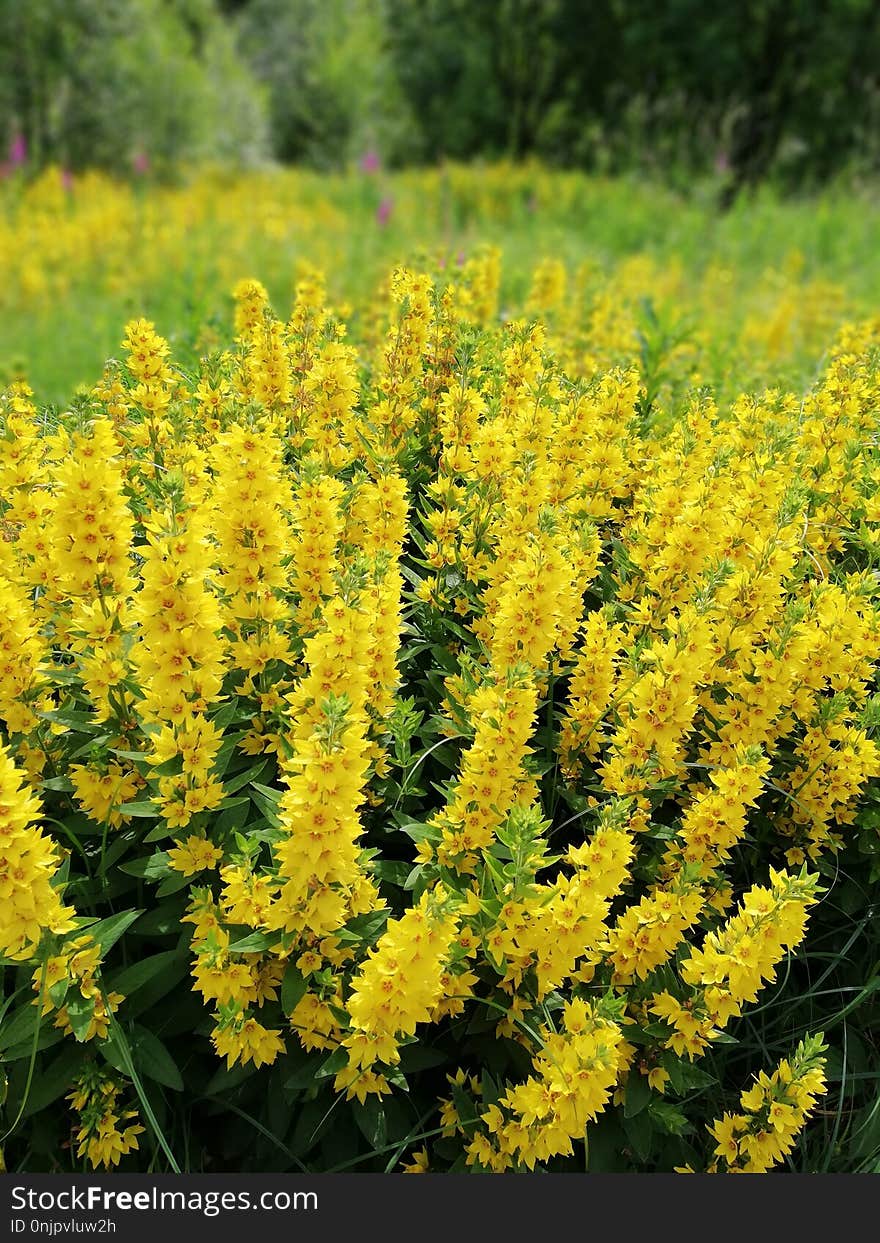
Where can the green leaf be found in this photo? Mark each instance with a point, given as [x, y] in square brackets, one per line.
[58, 991]
[225, 715]
[115, 851]
[162, 920]
[303, 1076]
[670, 1118]
[235, 800]
[253, 943]
[80, 722]
[683, 1076]
[106, 932]
[148, 1055]
[80, 1011]
[226, 752]
[154, 1061]
[153, 867]
[491, 1090]
[418, 832]
[130, 979]
[370, 1120]
[638, 1093]
[294, 987]
[226, 1078]
[606, 1142]
[63, 785]
[145, 809]
[48, 1037]
[53, 1080]
[159, 833]
[464, 1107]
[233, 784]
[310, 1123]
[391, 871]
[640, 1133]
[172, 883]
[231, 818]
[19, 1026]
[267, 801]
[414, 1057]
[337, 1060]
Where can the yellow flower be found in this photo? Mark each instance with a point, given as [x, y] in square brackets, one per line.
[195, 855]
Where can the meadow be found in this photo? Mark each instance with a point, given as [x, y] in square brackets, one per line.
[438, 622]
[755, 292]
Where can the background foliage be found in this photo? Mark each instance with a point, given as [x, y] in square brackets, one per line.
[755, 88]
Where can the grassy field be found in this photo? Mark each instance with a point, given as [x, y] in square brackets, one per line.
[752, 294]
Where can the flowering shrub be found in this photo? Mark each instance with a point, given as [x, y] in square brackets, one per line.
[428, 751]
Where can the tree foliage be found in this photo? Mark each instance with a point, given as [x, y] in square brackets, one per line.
[750, 89]
[100, 82]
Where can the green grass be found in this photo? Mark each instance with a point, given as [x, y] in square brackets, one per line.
[265, 226]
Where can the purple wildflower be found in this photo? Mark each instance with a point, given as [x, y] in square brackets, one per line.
[383, 212]
[18, 151]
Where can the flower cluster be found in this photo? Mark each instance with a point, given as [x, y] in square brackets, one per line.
[774, 1110]
[105, 1132]
[462, 694]
[30, 904]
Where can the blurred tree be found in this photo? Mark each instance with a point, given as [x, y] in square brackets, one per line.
[790, 87]
[333, 91]
[750, 88]
[99, 82]
[504, 76]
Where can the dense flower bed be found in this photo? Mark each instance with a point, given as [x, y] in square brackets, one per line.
[426, 750]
